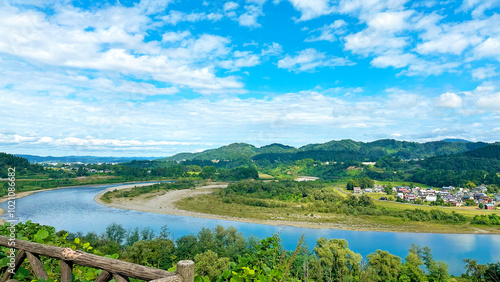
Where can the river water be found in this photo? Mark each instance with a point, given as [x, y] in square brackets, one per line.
[74, 209]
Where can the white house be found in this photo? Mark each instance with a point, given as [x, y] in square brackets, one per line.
[431, 198]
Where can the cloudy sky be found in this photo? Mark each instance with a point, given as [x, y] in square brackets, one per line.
[153, 78]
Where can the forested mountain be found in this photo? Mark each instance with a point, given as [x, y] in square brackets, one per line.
[276, 148]
[485, 158]
[233, 151]
[21, 165]
[343, 150]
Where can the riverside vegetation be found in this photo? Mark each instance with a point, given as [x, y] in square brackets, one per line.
[139, 190]
[321, 202]
[223, 254]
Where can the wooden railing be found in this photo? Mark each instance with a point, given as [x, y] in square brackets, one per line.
[111, 268]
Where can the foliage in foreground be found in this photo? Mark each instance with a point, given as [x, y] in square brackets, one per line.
[225, 255]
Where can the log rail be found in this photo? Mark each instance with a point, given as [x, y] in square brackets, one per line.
[111, 268]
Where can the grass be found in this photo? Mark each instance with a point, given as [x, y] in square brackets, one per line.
[265, 176]
[298, 215]
[401, 183]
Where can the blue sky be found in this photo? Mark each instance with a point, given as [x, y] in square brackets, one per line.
[154, 78]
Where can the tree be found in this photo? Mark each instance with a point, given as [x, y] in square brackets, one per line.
[388, 189]
[155, 253]
[186, 247]
[132, 236]
[115, 232]
[492, 272]
[385, 265]
[351, 184]
[208, 172]
[164, 233]
[470, 185]
[474, 270]
[209, 264]
[481, 205]
[411, 270]
[336, 259]
[438, 272]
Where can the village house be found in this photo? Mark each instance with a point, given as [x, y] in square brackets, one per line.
[403, 190]
[443, 193]
[411, 197]
[497, 198]
[431, 198]
[480, 189]
[368, 190]
[489, 206]
[466, 197]
[357, 190]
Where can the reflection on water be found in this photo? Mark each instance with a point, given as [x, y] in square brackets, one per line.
[74, 209]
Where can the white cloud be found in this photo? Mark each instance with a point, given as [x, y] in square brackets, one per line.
[241, 59]
[273, 49]
[478, 7]
[449, 100]
[370, 41]
[309, 60]
[229, 6]
[390, 21]
[153, 6]
[484, 72]
[489, 48]
[249, 18]
[490, 102]
[426, 68]
[328, 32]
[311, 9]
[393, 60]
[171, 36]
[115, 44]
[364, 9]
[175, 17]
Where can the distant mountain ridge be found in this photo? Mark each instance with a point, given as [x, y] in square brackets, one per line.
[82, 159]
[332, 150]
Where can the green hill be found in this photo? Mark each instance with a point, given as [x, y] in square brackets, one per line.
[276, 148]
[490, 152]
[342, 150]
[234, 151]
[485, 158]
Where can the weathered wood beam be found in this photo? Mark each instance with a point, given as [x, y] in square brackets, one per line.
[120, 278]
[18, 260]
[37, 266]
[175, 278]
[104, 277]
[81, 258]
[66, 271]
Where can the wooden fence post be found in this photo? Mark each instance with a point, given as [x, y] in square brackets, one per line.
[185, 269]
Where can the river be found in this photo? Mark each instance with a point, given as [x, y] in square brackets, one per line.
[74, 209]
